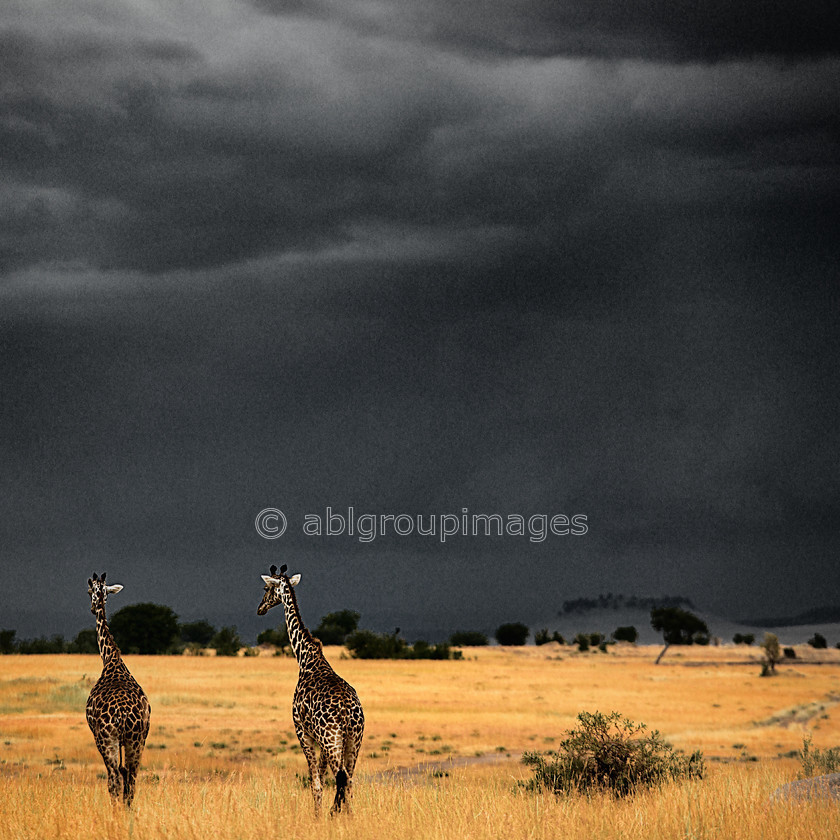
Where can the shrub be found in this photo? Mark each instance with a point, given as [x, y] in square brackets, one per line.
[365, 644]
[7, 641]
[582, 641]
[609, 753]
[336, 627]
[278, 637]
[197, 632]
[85, 642]
[744, 638]
[226, 642]
[789, 653]
[42, 644]
[770, 646]
[468, 638]
[818, 762]
[514, 633]
[626, 634]
[144, 628]
[543, 637]
[423, 650]
[818, 641]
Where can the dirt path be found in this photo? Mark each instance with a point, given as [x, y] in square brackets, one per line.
[802, 714]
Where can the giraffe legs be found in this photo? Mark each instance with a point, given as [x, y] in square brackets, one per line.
[110, 752]
[133, 754]
[316, 766]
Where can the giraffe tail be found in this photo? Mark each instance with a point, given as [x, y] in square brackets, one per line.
[123, 770]
[340, 789]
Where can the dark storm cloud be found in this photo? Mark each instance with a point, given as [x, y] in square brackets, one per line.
[653, 29]
[525, 258]
[180, 145]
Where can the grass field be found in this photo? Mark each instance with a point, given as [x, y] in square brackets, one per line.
[440, 757]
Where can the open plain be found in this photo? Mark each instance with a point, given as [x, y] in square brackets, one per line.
[441, 752]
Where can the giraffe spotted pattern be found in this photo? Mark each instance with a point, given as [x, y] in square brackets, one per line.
[326, 710]
[118, 710]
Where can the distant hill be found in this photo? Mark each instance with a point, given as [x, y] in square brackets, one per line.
[579, 606]
[606, 620]
[817, 615]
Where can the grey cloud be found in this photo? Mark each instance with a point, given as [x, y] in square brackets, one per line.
[651, 30]
[324, 256]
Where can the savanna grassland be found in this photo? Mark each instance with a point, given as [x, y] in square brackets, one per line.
[441, 750]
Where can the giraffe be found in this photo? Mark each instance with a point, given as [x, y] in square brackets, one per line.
[326, 710]
[117, 709]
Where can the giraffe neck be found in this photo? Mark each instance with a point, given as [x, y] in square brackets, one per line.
[108, 649]
[305, 647]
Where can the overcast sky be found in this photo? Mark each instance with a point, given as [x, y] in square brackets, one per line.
[524, 258]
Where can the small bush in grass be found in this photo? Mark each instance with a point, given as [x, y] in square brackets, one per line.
[365, 644]
[513, 633]
[610, 753]
[543, 637]
[468, 638]
[817, 762]
[626, 634]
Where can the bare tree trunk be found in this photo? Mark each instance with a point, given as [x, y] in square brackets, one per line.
[662, 653]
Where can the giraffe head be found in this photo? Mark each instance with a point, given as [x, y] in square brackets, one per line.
[276, 585]
[99, 591]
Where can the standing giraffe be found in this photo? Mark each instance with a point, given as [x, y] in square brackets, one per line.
[117, 709]
[326, 710]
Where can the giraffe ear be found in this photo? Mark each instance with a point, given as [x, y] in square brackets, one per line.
[294, 580]
[112, 590]
[270, 580]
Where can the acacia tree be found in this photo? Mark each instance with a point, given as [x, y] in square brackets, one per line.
[772, 654]
[514, 633]
[145, 628]
[226, 642]
[678, 627]
[197, 632]
[335, 627]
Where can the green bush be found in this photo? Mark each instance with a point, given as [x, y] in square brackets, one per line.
[197, 632]
[744, 638]
[626, 634]
[423, 650]
[279, 637]
[818, 641]
[514, 633]
[7, 641]
[336, 627]
[55, 644]
[365, 644]
[145, 628]
[543, 637]
[609, 753]
[468, 638]
[226, 642]
[85, 642]
[818, 762]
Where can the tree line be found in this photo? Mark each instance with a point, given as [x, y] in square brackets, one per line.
[138, 628]
[155, 629]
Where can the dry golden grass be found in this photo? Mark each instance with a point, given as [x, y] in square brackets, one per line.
[222, 758]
